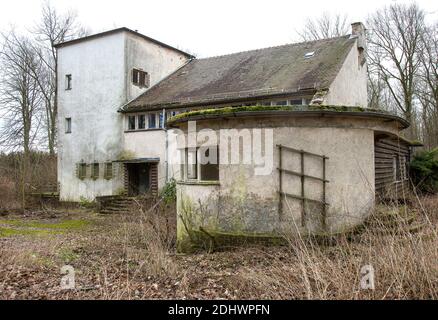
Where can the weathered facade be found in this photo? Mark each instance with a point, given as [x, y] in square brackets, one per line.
[322, 177]
[95, 78]
[129, 100]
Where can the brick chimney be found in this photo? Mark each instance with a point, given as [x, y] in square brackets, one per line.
[358, 30]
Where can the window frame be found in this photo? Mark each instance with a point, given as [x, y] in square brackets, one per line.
[152, 115]
[139, 116]
[108, 170]
[198, 166]
[133, 122]
[68, 82]
[68, 123]
[95, 174]
[140, 78]
[82, 171]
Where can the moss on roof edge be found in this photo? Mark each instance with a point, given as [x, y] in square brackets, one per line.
[234, 111]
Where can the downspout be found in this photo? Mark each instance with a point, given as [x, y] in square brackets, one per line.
[167, 146]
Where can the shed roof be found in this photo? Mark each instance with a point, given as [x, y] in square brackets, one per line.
[258, 73]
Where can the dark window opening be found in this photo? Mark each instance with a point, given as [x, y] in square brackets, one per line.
[108, 170]
[141, 121]
[161, 120]
[67, 125]
[140, 78]
[209, 168]
[82, 171]
[95, 171]
[152, 121]
[131, 123]
[68, 79]
[281, 103]
[296, 102]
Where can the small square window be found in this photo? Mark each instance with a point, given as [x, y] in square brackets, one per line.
[140, 78]
[152, 121]
[67, 125]
[141, 121]
[131, 122]
[68, 80]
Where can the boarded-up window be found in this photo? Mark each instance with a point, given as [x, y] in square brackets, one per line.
[95, 171]
[108, 171]
[82, 171]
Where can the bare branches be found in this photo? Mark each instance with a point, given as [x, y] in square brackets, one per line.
[20, 97]
[395, 34]
[29, 79]
[52, 29]
[326, 26]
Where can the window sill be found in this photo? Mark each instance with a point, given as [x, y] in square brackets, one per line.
[199, 183]
[143, 130]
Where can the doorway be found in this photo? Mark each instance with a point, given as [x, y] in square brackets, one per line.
[139, 178]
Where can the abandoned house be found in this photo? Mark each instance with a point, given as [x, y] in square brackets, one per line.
[126, 108]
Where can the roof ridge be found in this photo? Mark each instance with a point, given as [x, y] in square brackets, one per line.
[272, 47]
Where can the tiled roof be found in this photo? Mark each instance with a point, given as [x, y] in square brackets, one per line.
[258, 73]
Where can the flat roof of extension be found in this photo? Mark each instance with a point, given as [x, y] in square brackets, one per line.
[271, 111]
[113, 31]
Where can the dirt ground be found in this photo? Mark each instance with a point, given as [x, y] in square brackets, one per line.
[128, 257]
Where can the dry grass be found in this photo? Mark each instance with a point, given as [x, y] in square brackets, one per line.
[405, 262]
[132, 257]
[41, 177]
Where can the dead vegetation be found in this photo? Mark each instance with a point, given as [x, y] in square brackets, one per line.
[133, 257]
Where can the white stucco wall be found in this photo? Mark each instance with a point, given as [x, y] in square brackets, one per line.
[97, 68]
[148, 144]
[350, 85]
[156, 60]
[101, 83]
[247, 202]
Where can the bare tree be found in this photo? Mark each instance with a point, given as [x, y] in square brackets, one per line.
[325, 26]
[20, 100]
[394, 46]
[427, 91]
[53, 28]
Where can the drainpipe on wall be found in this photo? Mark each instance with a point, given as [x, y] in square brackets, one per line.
[167, 145]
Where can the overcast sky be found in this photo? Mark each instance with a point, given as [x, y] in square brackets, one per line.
[206, 28]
